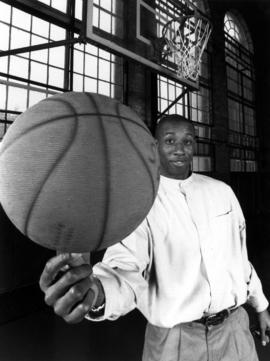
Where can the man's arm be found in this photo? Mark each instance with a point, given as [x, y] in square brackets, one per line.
[122, 272]
[255, 297]
[112, 288]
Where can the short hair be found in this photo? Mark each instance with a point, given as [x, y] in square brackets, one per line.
[173, 118]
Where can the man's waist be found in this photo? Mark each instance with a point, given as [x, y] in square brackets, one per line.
[216, 318]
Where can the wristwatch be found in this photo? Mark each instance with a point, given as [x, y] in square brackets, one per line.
[95, 312]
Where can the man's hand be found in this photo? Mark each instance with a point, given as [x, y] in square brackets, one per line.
[70, 287]
[264, 326]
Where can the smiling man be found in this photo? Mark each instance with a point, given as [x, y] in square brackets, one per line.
[175, 138]
[185, 267]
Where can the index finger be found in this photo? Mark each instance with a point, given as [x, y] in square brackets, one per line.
[52, 268]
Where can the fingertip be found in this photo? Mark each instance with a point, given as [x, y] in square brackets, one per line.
[65, 256]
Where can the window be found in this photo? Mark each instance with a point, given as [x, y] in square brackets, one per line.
[243, 139]
[29, 77]
[195, 106]
[109, 16]
[98, 71]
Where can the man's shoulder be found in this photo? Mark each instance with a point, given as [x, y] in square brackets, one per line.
[204, 179]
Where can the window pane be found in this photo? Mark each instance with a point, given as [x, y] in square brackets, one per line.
[3, 64]
[17, 99]
[91, 49]
[235, 116]
[104, 54]
[78, 9]
[163, 90]
[171, 92]
[250, 125]
[77, 83]
[91, 66]
[19, 66]
[5, 11]
[38, 72]
[57, 33]
[3, 94]
[90, 85]
[163, 104]
[105, 21]
[21, 19]
[4, 38]
[104, 88]
[201, 164]
[59, 5]
[96, 17]
[57, 56]
[40, 27]
[106, 4]
[104, 70]
[251, 166]
[78, 61]
[19, 39]
[56, 77]
[35, 97]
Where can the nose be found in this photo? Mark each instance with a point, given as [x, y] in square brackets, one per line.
[179, 148]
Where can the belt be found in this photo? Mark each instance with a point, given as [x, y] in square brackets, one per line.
[216, 318]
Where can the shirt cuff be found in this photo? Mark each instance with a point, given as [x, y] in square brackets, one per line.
[117, 297]
[259, 303]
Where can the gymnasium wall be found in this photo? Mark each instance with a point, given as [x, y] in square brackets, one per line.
[252, 189]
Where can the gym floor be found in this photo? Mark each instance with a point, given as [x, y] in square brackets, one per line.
[42, 336]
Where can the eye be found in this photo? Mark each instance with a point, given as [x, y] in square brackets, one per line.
[188, 142]
[169, 141]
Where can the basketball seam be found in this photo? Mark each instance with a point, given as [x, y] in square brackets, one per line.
[123, 236]
[107, 171]
[61, 155]
[46, 122]
[136, 149]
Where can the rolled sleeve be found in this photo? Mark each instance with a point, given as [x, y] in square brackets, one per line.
[256, 297]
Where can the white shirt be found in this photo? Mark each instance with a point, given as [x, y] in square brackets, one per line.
[188, 258]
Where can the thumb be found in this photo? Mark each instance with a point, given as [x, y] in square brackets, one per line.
[77, 259]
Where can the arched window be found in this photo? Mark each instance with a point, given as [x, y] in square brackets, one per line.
[194, 105]
[241, 100]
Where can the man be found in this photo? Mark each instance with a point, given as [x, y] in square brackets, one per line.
[185, 267]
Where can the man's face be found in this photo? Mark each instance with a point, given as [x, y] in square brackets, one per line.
[176, 142]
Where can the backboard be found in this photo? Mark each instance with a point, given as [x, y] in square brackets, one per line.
[138, 37]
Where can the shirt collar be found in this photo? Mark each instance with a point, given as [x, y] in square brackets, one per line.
[176, 183]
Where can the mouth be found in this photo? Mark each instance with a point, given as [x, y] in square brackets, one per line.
[179, 162]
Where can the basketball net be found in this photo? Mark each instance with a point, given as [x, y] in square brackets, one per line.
[185, 40]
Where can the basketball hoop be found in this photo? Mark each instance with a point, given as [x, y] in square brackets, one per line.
[185, 39]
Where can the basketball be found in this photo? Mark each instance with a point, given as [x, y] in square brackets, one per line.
[78, 172]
